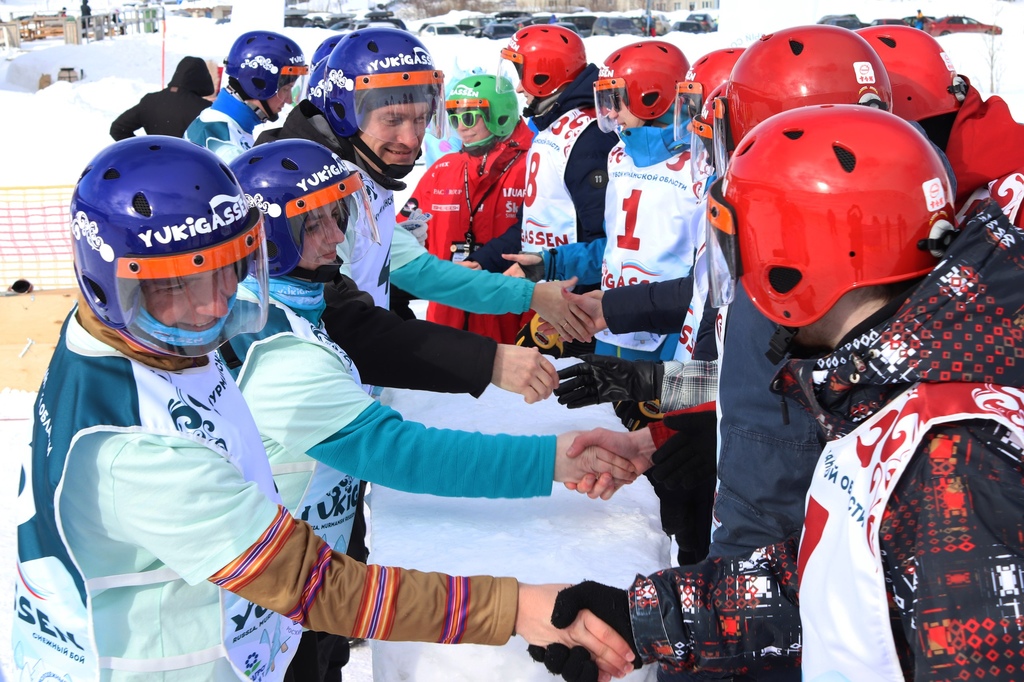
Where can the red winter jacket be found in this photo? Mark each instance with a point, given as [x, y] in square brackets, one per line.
[497, 185]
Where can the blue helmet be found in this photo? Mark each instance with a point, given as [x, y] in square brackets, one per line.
[378, 67]
[301, 186]
[326, 47]
[263, 62]
[161, 225]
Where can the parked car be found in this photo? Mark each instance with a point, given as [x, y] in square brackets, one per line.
[440, 30]
[615, 26]
[689, 27]
[583, 22]
[472, 25]
[376, 16]
[947, 25]
[850, 21]
[705, 20]
[889, 22]
[498, 30]
[912, 20]
[567, 25]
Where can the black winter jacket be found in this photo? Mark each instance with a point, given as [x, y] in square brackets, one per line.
[170, 111]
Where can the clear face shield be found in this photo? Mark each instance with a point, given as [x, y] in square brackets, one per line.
[722, 142]
[333, 222]
[687, 105]
[609, 99]
[187, 304]
[293, 80]
[723, 256]
[394, 106]
[510, 71]
[690, 117]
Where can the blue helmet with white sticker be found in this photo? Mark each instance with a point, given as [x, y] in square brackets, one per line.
[380, 67]
[305, 192]
[263, 62]
[162, 234]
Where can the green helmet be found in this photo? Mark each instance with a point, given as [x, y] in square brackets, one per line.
[478, 91]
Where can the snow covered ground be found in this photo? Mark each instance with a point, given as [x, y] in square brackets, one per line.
[50, 135]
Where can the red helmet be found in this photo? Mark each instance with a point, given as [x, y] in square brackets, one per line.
[800, 66]
[705, 75]
[642, 77]
[822, 200]
[546, 58]
[924, 82]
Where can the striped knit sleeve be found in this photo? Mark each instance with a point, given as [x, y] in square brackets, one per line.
[292, 571]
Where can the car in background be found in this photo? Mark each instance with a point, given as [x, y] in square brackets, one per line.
[584, 23]
[615, 26]
[705, 20]
[497, 30]
[375, 17]
[439, 30]
[566, 25]
[472, 25]
[850, 21]
[688, 27]
[912, 20]
[954, 24]
[889, 22]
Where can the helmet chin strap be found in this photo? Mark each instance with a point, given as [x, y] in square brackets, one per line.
[394, 171]
[267, 113]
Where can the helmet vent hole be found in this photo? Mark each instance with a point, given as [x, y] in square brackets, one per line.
[288, 164]
[97, 293]
[502, 120]
[141, 205]
[794, 134]
[887, 41]
[254, 159]
[783, 280]
[272, 249]
[111, 174]
[796, 47]
[259, 83]
[372, 46]
[846, 158]
[648, 99]
[540, 79]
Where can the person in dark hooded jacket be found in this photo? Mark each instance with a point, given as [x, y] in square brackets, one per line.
[170, 111]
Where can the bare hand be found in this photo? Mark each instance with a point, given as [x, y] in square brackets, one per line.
[586, 308]
[559, 316]
[524, 262]
[515, 271]
[610, 651]
[524, 371]
[635, 446]
[593, 470]
[471, 264]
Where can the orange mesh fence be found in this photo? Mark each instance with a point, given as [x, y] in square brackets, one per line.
[35, 240]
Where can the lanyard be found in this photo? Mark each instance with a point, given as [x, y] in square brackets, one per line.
[470, 239]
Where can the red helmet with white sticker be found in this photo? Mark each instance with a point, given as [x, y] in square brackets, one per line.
[924, 82]
[545, 58]
[822, 200]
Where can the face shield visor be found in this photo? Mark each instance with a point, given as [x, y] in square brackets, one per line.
[723, 255]
[393, 107]
[510, 71]
[186, 304]
[687, 106]
[610, 99]
[333, 222]
[293, 80]
[722, 142]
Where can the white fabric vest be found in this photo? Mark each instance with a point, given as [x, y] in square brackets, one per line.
[330, 500]
[549, 216]
[844, 608]
[372, 271]
[648, 217]
[257, 642]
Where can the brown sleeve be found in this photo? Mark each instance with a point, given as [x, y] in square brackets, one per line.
[330, 592]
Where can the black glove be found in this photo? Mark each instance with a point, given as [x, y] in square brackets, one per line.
[690, 456]
[610, 604]
[605, 379]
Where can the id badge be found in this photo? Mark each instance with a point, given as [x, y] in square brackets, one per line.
[459, 251]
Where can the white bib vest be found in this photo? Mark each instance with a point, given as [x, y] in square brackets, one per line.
[844, 608]
[55, 637]
[549, 216]
[372, 270]
[330, 500]
[648, 218]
